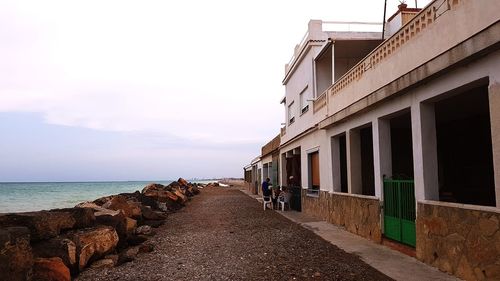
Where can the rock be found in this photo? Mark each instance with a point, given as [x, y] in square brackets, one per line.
[152, 187]
[149, 214]
[135, 240]
[42, 225]
[130, 208]
[50, 269]
[183, 198]
[166, 196]
[489, 226]
[146, 201]
[118, 221]
[113, 257]
[84, 217]
[90, 205]
[131, 225]
[182, 181]
[196, 190]
[143, 230]
[93, 243]
[103, 263]
[146, 248]
[174, 185]
[128, 255]
[154, 224]
[62, 248]
[16, 258]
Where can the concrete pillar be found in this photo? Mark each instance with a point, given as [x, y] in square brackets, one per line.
[336, 176]
[494, 100]
[425, 162]
[353, 139]
[382, 160]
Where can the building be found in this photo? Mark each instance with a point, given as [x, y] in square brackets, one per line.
[400, 138]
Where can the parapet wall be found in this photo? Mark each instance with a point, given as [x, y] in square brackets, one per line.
[358, 214]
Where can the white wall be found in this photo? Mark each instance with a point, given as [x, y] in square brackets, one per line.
[486, 67]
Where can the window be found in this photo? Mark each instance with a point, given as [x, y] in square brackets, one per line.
[304, 104]
[291, 113]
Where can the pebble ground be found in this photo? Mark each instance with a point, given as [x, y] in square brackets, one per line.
[222, 234]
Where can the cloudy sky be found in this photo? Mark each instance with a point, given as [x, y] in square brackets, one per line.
[143, 90]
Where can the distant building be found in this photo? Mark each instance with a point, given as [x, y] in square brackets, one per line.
[400, 138]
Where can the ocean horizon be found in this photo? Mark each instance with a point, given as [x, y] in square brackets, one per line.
[35, 196]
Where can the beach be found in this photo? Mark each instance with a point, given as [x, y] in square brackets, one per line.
[223, 234]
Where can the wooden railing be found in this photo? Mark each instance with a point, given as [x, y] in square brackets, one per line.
[418, 24]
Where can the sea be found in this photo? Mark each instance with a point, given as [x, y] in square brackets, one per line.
[36, 196]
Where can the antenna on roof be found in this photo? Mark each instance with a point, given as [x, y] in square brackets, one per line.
[383, 22]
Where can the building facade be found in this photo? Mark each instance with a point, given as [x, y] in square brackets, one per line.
[400, 138]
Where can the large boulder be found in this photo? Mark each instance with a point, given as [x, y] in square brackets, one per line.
[42, 225]
[149, 214]
[16, 258]
[130, 208]
[181, 195]
[50, 269]
[195, 190]
[152, 187]
[84, 217]
[182, 182]
[118, 221]
[60, 247]
[93, 243]
[139, 197]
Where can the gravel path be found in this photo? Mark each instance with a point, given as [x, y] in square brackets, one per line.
[222, 234]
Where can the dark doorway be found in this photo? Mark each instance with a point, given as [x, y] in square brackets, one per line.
[343, 163]
[401, 147]
[465, 161]
[367, 173]
[293, 171]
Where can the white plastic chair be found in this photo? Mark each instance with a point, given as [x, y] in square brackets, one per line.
[284, 199]
[267, 201]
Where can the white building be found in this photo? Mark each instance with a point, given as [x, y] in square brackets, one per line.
[400, 139]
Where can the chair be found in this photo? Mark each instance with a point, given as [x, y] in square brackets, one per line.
[284, 199]
[267, 200]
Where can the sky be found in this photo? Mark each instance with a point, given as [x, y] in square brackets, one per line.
[144, 90]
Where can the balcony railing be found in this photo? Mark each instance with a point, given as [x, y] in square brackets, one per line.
[418, 24]
[351, 26]
[320, 102]
[283, 131]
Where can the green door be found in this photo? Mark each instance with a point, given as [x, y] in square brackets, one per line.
[399, 211]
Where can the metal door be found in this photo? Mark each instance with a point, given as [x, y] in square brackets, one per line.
[399, 211]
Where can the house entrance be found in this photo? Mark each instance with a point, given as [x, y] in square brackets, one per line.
[293, 173]
[399, 188]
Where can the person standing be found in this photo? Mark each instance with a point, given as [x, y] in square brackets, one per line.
[265, 187]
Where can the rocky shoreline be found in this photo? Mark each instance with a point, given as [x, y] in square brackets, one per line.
[59, 244]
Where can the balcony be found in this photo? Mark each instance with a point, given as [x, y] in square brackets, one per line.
[411, 46]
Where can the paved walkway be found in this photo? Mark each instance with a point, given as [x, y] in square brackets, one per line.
[390, 262]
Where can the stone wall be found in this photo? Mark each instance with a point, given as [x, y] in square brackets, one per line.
[459, 239]
[358, 214]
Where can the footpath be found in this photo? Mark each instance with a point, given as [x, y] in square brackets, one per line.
[390, 262]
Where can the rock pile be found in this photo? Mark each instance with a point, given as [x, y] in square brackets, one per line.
[59, 243]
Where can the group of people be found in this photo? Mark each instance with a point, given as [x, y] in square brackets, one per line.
[276, 193]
